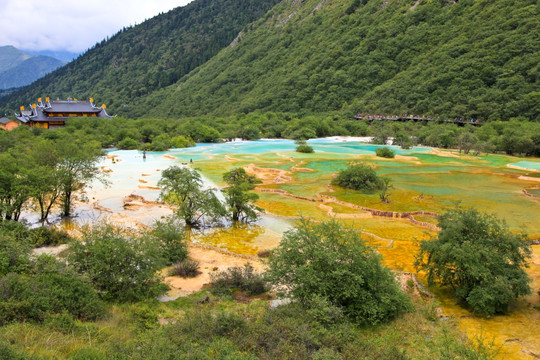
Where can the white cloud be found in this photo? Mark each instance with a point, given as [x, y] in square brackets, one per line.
[72, 25]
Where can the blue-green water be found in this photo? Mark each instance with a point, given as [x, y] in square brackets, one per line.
[528, 165]
[202, 151]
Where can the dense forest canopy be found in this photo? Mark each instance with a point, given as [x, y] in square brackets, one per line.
[466, 59]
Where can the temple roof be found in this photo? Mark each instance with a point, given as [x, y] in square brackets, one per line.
[72, 106]
[4, 120]
[43, 111]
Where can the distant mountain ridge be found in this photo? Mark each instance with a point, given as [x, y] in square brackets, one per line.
[446, 58]
[62, 55]
[18, 68]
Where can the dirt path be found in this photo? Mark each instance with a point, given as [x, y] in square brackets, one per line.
[212, 261]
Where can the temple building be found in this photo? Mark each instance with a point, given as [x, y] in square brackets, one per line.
[8, 124]
[53, 114]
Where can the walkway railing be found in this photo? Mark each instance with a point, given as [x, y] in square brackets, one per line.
[406, 117]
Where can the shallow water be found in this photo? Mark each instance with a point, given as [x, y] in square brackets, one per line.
[534, 165]
[422, 181]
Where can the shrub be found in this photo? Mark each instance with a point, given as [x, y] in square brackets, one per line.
[237, 278]
[63, 322]
[14, 230]
[48, 236]
[264, 253]
[331, 261]
[121, 267]
[385, 152]
[227, 322]
[186, 268]
[33, 297]
[171, 236]
[13, 254]
[303, 147]
[479, 258]
[323, 311]
[8, 353]
[358, 177]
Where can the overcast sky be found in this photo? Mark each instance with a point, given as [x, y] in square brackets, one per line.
[72, 25]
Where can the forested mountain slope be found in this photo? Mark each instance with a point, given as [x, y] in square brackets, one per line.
[472, 58]
[138, 60]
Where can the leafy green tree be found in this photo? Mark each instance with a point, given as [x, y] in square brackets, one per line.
[15, 183]
[381, 134]
[386, 185]
[121, 266]
[238, 196]
[358, 177]
[45, 176]
[467, 141]
[331, 261]
[128, 143]
[182, 142]
[403, 140]
[162, 142]
[77, 167]
[476, 255]
[182, 187]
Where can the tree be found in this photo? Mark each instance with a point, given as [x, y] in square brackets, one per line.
[182, 187]
[45, 177]
[358, 177]
[476, 255]
[237, 195]
[466, 141]
[15, 183]
[402, 139]
[77, 167]
[385, 187]
[331, 261]
[381, 133]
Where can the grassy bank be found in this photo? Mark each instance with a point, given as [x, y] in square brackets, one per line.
[202, 326]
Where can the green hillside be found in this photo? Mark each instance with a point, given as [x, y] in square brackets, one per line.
[135, 62]
[470, 59]
[28, 71]
[454, 59]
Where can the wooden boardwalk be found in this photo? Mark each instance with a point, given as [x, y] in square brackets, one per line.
[407, 117]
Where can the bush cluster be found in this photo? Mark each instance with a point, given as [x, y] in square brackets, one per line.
[48, 236]
[358, 177]
[46, 286]
[330, 261]
[385, 152]
[303, 147]
[170, 234]
[186, 268]
[477, 256]
[244, 279]
[120, 266]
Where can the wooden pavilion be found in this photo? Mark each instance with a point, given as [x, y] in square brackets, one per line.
[53, 114]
